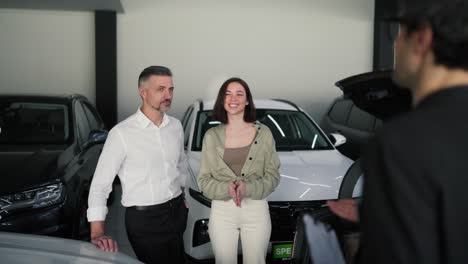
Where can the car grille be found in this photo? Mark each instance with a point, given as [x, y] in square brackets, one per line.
[284, 217]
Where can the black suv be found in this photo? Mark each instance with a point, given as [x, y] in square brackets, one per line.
[49, 147]
[368, 99]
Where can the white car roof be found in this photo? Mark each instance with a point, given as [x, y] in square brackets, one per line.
[259, 103]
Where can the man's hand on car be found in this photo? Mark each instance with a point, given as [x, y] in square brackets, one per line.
[105, 243]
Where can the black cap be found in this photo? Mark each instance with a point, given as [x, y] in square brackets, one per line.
[448, 22]
[424, 11]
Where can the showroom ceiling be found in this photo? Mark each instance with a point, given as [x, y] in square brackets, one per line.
[76, 5]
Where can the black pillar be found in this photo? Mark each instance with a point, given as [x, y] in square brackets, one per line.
[383, 44]
[106, 65]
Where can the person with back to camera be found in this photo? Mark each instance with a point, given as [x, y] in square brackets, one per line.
[415, 198]
[239, 169]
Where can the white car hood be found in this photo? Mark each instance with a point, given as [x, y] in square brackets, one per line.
[305, 175]
[310, 175]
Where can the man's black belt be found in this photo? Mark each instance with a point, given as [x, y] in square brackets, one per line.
[157, 206]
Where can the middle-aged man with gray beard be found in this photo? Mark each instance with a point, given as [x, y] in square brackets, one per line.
[146, 152]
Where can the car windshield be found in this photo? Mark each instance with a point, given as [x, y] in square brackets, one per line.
[33, 123]
[292, 130]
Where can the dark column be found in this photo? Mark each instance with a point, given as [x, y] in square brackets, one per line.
[106, 65]
[383, 44]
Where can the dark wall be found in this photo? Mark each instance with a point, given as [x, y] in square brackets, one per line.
[106, 66]
[383, 44]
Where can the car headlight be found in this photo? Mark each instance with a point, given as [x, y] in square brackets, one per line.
[31, 199]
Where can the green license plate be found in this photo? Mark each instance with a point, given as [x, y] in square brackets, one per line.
[282, 250]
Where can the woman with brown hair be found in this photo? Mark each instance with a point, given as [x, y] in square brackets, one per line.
[239, 169]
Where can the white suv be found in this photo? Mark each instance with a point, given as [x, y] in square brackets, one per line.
[311, 172]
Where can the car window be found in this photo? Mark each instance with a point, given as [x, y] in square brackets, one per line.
[23, 122]
[340, 111]
[187, 124]
[81, 123]
[361, 120]
[204, 122]
[292, 130]
[186, 115]
[307, 131]
[93, 119]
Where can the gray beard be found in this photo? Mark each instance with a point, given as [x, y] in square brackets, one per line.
[159, 109]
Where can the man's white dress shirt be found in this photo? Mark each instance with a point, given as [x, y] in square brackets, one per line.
[149, 160]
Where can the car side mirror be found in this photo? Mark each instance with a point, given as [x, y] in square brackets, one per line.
[337, 139]
[96, 137]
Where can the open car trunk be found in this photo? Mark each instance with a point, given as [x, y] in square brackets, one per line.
[376, 93]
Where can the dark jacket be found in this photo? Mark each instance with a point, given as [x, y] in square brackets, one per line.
[415, 202]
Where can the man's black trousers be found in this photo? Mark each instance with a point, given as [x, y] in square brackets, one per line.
[155, 232]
